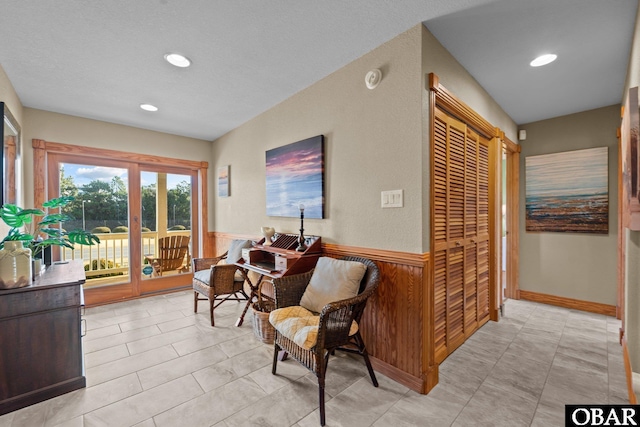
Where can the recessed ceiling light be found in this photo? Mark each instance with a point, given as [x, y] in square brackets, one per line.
[177, 60]
[543, 60]
[148, 107]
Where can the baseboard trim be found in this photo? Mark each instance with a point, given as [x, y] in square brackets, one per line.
[629, 373]
[414, 383]
[576, 304]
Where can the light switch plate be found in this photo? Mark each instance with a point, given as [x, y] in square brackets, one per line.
[391, 199]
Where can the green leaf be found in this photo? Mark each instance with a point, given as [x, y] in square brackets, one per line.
[14, 216]
[54, 242]
[53, 232]
[58, 202]
[54, 219]
[82, 237]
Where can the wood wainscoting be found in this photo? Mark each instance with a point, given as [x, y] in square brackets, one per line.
[397, 325]
[576, 304]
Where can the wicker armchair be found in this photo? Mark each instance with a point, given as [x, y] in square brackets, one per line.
[220, 282]
[335, 331]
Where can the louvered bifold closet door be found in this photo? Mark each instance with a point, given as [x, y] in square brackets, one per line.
[460, 252]
[471, 234]
[483, 232]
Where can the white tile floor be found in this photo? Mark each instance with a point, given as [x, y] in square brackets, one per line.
[153, 362]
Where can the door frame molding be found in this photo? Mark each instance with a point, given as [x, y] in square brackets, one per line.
[513, 218]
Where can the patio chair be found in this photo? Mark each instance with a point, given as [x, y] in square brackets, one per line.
[173, 255]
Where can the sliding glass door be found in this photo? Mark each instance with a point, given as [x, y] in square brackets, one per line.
[166, 226]
[134, 209]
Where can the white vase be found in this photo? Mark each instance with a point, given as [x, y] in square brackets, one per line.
[268, 233]
[15, 265]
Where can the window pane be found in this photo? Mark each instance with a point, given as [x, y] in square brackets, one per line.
[100, 206]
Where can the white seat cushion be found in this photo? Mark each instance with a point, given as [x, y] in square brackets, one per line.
[202, 276]
[205, 275]
[300, 325]
[332, 280]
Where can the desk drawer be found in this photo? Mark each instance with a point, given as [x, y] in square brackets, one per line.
[282, 263]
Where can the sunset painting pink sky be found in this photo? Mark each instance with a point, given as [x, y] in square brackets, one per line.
[295, 175]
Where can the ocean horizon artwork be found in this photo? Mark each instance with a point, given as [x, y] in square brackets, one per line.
[223, 181]
[568, 192]
[295, 176]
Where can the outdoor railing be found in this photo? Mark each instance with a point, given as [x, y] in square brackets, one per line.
[110, 257]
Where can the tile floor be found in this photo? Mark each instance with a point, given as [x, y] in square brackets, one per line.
[152, 362]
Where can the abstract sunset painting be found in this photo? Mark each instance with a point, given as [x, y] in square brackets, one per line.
[295, 175]
[568, 192]
[223, 181]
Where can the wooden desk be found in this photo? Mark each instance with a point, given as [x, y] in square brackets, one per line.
[40, 338]
[277, 260]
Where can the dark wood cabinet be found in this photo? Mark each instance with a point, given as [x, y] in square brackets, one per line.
[40, 338]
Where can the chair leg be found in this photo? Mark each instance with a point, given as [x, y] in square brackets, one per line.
[211, 307]
[321, 399]
[195, 302]
[365, 354]
[276, 351]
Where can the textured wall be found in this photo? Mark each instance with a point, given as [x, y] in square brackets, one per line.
[373, 142]
[54, 127]
[376, 140]
[572, 265]
[436, 59]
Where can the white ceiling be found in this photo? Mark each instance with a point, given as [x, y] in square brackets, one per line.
[101, 60]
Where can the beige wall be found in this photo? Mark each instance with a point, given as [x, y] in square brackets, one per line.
[39, 124]
[572, 265]
[372, 143]
[436, 59]
[375, 140]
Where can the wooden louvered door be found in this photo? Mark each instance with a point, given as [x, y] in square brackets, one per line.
[460, 233]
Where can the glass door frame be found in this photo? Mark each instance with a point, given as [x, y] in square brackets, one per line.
[163, 283]
[48, 155]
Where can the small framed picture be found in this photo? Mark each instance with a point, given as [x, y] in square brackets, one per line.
[223, 181]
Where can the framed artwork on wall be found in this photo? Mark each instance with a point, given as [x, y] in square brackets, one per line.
[568, 192]
[223, 181]
[294, 177]
[9, 156]
[630, 162]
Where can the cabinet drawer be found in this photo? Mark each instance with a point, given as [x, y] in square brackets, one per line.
[38, 300]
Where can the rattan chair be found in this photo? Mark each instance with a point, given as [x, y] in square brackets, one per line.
[225, 282]
[334, 327]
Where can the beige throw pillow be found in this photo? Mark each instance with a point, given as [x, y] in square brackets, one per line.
[235, 250]
[332, 280]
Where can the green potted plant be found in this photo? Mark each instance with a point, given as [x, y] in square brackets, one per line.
[39, 230]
